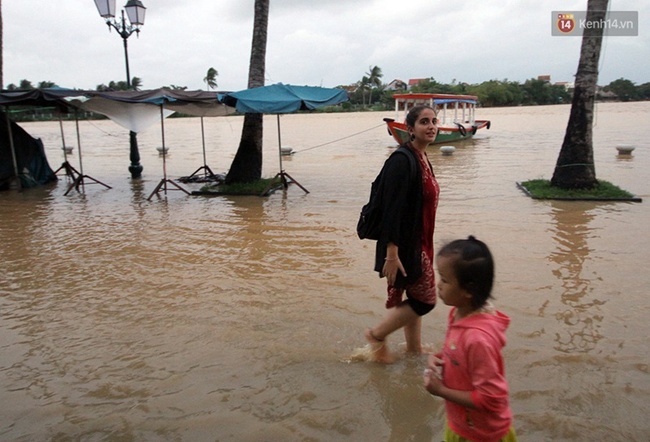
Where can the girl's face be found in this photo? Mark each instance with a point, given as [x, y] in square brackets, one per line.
[425, 129]
[448, 288]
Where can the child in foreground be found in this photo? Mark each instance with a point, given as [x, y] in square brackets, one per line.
[469, 372]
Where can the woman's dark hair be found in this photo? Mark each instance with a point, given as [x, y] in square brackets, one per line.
[473, 266]
[415, 112]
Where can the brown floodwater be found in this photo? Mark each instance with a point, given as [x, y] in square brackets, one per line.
[192, 318]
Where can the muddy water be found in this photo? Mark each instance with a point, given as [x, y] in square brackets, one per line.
[235, 318]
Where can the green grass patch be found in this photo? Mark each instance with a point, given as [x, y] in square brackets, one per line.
[542, 189]
[250, 188]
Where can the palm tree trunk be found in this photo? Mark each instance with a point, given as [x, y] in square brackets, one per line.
[575, 168]
[2, 84]
[247, 164]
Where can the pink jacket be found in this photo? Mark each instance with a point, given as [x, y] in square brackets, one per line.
[473, 362]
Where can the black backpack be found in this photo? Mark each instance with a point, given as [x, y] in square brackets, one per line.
[369, 224]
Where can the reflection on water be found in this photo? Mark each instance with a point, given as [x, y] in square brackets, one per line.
[581, 321]
[236, 318]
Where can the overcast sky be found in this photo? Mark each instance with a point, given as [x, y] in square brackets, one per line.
[317, 43]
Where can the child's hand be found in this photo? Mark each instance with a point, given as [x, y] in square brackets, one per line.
[432, 381]
[435, 362]
[433, 375]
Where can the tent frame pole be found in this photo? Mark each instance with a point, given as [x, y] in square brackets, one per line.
[282, 174]
[79, 181]
[163, 182]
[207, 172]
[16, 178]
[70, 171]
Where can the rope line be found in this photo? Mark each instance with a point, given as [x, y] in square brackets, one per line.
[340, 139]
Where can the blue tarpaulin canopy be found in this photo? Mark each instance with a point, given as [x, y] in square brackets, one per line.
[282, 98]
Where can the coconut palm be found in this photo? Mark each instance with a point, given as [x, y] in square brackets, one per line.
[46, 84]
[374, 79]
[211, 78]
[136, 83]
[1, 51]
[575, 167]
[364, 85]
[247, 164]
[25, 85]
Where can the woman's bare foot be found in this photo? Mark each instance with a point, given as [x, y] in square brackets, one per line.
[379, 348]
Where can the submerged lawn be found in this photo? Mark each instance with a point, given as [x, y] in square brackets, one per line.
[604, 191]
[251, 188]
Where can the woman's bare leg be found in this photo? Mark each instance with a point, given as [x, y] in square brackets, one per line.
[397, 317]
[413, 335]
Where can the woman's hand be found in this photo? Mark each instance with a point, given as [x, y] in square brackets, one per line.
[392, 264]
[391, 267]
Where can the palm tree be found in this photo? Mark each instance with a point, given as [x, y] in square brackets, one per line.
[374, 80]
[2, 84]
[575, 167]
[247, 164]
[364, 85]
[136, 83]
[46, 84]
[211, 78]
[25, 85]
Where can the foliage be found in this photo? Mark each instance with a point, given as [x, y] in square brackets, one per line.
[210, 78]
[491, 93]
[369, 86]
[498, 93]
[541, 92]
[430, 85]
[623, 89]
[644, 91]
[27, 85]
[46, 84]
[373, 80]
[136, 84]
[604, 190]
[369, 90]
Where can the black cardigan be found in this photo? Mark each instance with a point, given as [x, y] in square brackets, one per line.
[401, 216]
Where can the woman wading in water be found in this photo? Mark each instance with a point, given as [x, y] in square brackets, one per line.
[404, 253]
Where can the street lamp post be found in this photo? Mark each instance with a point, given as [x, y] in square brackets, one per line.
[135, 11]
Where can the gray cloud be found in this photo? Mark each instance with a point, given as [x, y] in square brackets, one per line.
[327, 43]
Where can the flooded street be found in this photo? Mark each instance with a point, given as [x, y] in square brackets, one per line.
[234, 318]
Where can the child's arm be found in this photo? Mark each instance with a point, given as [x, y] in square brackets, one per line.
[490, 389]
[433, 385]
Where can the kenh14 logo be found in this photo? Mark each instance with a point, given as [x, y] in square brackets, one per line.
[566, 23]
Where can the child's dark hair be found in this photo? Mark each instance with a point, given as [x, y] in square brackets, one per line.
[414, 114]
[473, 266]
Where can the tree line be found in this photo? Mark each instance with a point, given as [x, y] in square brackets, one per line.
[371, 92]
[210, 80]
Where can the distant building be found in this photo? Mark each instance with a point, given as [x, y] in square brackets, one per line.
[415, 82]
[544, 78]
[602, 94]
[396, 85]
[566, 85]
[349, 89]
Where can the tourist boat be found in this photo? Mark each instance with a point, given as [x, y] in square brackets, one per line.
[455, 115]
